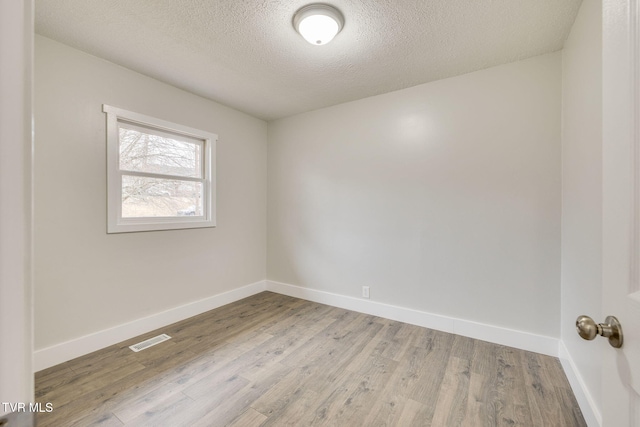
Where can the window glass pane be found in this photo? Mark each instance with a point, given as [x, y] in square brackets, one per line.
[162, 153]
[154, 197]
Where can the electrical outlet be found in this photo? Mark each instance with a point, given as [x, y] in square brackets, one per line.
[365, 292]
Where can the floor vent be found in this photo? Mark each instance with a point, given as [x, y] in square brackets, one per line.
[150, 342]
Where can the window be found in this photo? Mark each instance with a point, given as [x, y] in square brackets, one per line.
[159, 174]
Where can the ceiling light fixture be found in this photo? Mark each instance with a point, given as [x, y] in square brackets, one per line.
[318, 23]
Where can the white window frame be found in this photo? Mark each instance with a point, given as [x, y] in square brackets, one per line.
[115, 222]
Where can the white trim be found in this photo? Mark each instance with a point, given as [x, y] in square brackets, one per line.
[59, 353]
[587, 405]
[68, 350]
[152, 122]
[116, 223]
[495, 334]
[16, 203]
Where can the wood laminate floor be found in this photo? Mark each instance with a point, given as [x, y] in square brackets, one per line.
[273, 360]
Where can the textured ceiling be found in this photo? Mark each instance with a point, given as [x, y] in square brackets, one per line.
[246, 54]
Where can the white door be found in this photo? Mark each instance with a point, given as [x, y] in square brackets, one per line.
[621, 209]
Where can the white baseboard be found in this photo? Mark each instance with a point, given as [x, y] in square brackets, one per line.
[509, 337]
[587, 405]
[59, 353]
[495, 334]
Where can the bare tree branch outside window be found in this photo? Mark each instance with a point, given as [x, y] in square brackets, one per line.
[144, 196]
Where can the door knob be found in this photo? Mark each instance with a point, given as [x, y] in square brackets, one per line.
[611, 328]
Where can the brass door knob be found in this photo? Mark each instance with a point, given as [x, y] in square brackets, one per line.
[611, 329]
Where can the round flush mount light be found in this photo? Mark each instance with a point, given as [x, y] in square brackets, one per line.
[318, 23]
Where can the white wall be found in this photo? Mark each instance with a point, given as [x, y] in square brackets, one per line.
[16, 50]
[87, 281]
[443, 198]
[582, 190]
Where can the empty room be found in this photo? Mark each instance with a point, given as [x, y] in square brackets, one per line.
[287, 213]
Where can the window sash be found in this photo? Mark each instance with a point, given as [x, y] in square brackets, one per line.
[160, 176]
[200, 200]
[198, 166]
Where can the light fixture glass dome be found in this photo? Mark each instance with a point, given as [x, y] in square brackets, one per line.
[318, 23]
